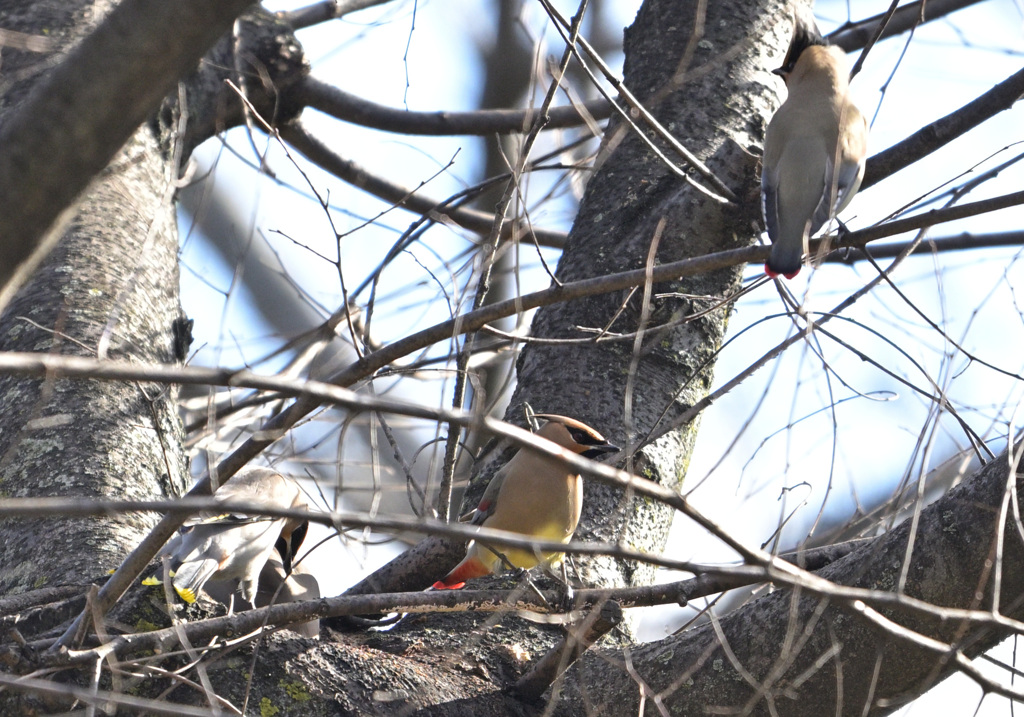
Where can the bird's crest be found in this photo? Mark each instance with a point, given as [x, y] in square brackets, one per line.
[805, 34]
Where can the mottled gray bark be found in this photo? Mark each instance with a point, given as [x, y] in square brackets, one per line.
[110, 286]
[112, 280]
[121, 60]
[804, 654]
[718, 113]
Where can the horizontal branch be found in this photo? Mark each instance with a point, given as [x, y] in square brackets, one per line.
[762, 566]
[99, 698]
[12, 604]
[716, 579]
[931, 218]
[348, 107]
[938, 245]
[345, 106]
[712, 578]
[351, 108]
[339, 520]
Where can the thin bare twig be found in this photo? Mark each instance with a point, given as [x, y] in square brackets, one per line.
[474, 220]
[855, 35]
[100, 697]
[882, 23]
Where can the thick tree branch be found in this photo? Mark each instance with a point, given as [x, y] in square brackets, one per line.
[938, 245]
[84, 111]
[855, 35]
[951, 566]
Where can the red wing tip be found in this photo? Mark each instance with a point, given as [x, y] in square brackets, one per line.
[441, 585]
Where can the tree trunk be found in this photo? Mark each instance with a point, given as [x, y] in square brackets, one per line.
[109, 287]
[720, 110]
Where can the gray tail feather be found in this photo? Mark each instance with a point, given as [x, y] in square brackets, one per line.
[783, 260]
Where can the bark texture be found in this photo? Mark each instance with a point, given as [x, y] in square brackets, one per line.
[793, 653]
[110, 286]
[715, 100]
[111, 280]
[121, 60]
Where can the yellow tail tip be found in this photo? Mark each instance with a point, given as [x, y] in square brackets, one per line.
[187, 594]
[151, 580]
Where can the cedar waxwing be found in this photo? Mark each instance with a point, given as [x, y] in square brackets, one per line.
[814, 148]
[234, 547]
[534, 495]
[275, 587]
[296, 586]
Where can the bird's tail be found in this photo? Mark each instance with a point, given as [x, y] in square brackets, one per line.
[470, 567]
[786, 258]
[191, 576]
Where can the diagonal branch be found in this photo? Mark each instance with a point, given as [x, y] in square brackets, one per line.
[855, 35]
[84, 111]
[323, 11]
[950, 573]
[474, 220]
[943, 131]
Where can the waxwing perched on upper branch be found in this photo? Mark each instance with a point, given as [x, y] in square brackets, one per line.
[533, 495]
[814, 148]
[233, 546]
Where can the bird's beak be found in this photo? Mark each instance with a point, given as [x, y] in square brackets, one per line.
[596, 451]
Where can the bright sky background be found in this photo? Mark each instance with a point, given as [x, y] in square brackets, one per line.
[428, 62]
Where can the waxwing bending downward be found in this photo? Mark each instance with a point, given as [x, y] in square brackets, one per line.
[534, 495]
[275, 587]
[233, 546]
[814, 148]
